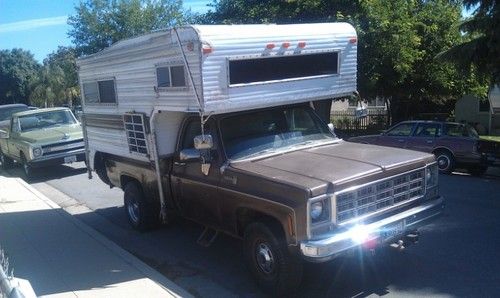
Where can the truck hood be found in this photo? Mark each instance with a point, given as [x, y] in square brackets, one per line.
[52, 134]
[321, 167]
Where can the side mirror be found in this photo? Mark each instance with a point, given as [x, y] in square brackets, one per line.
[331, 127]
[187, 155]
[203, 142]
[4, 134]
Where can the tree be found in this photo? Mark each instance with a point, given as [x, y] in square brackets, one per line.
[18, 71]
[57, 82]
[99, 23]
[480, 50]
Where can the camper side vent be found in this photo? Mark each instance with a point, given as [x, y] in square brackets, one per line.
[136, 130]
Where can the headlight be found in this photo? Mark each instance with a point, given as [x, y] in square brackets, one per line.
[319, 210]
[37, 152]
[431, 175]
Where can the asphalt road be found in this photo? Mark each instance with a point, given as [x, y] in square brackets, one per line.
[457, 255]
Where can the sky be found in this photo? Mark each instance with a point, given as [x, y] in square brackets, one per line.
[40, 25]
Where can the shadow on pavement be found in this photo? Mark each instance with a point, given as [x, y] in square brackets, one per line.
[47, 173]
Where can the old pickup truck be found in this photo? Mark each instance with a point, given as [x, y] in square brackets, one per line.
[41, 137]
[227, 126]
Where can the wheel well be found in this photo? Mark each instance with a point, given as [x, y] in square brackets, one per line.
[100, 168]
[124, 179]
[441, 149]
[246, 216]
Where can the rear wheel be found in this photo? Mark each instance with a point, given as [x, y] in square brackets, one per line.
[274, 268]
[6, 161]
[445, 161]
[142, 214]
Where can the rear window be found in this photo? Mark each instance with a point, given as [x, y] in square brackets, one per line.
[256, 70]
[6, 113]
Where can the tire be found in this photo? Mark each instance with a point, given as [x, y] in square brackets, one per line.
[267, 257]
[6, 161]
[141, 214]
[478, 170]
[27, 169]
[445, 161]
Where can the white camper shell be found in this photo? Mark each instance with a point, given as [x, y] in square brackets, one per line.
[208, 69]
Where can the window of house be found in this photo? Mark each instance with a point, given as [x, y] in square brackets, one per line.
[170, 76]
[245, 71]
[99, 91]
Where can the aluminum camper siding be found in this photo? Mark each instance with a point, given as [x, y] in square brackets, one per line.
[249, 41]
[132, 64]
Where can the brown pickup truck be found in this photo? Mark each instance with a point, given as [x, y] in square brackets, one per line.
[279, 179]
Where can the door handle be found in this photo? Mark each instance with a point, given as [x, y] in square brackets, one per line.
[179, 163]
[429, 141]
[401, 140]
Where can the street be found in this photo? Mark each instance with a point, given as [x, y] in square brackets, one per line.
[457, 254]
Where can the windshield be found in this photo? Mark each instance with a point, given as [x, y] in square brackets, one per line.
[6, 113]
[267, 131]
[46, 119]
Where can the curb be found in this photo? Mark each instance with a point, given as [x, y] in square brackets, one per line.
[169, 286]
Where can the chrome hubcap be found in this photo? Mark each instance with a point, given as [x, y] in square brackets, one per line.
[133, 211]
[265, 258]
[443, 162]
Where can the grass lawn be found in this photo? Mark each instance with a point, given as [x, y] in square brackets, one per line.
[491, 138]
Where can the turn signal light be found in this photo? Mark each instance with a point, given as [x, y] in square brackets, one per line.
[285, 45]
[270, 46]
[301, 44]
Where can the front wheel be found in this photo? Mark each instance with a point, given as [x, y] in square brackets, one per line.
[142, 214]
[27, 169]
[6, 161]
[269, 260]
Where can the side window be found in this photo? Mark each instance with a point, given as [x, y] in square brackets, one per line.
[191, 130]
[99, 92]
[456, 130]
[15, 125]
[170, 76]
[402, 130]
[428, 130]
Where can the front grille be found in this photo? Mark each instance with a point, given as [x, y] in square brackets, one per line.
[379, 195]
[63, 147]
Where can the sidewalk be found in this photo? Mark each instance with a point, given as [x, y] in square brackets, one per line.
[62, 257]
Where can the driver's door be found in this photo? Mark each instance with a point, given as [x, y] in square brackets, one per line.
[195, 192]
[397, 136]
[13, 148]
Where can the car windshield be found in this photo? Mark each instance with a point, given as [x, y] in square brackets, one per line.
[272, 130]
[46, 119]
[7, 112]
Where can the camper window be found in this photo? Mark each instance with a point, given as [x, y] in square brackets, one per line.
[170, 76]
[99, 92]
[246, 71]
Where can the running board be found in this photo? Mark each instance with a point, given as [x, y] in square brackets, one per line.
[207, 237]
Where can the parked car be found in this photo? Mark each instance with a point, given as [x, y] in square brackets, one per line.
[7, 110]
[41, 137]
[453, 144]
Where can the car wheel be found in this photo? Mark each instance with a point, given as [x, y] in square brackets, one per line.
[269, 260]
[27, 169]
[141, 214]
[478, 170]
[6, 161]
[445, 161]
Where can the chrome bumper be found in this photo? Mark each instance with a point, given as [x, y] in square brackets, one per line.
[58, 158]
[380, 231]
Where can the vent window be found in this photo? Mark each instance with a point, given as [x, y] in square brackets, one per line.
[99, 92]
[170, 76]
[135, 128]
[275, 68]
